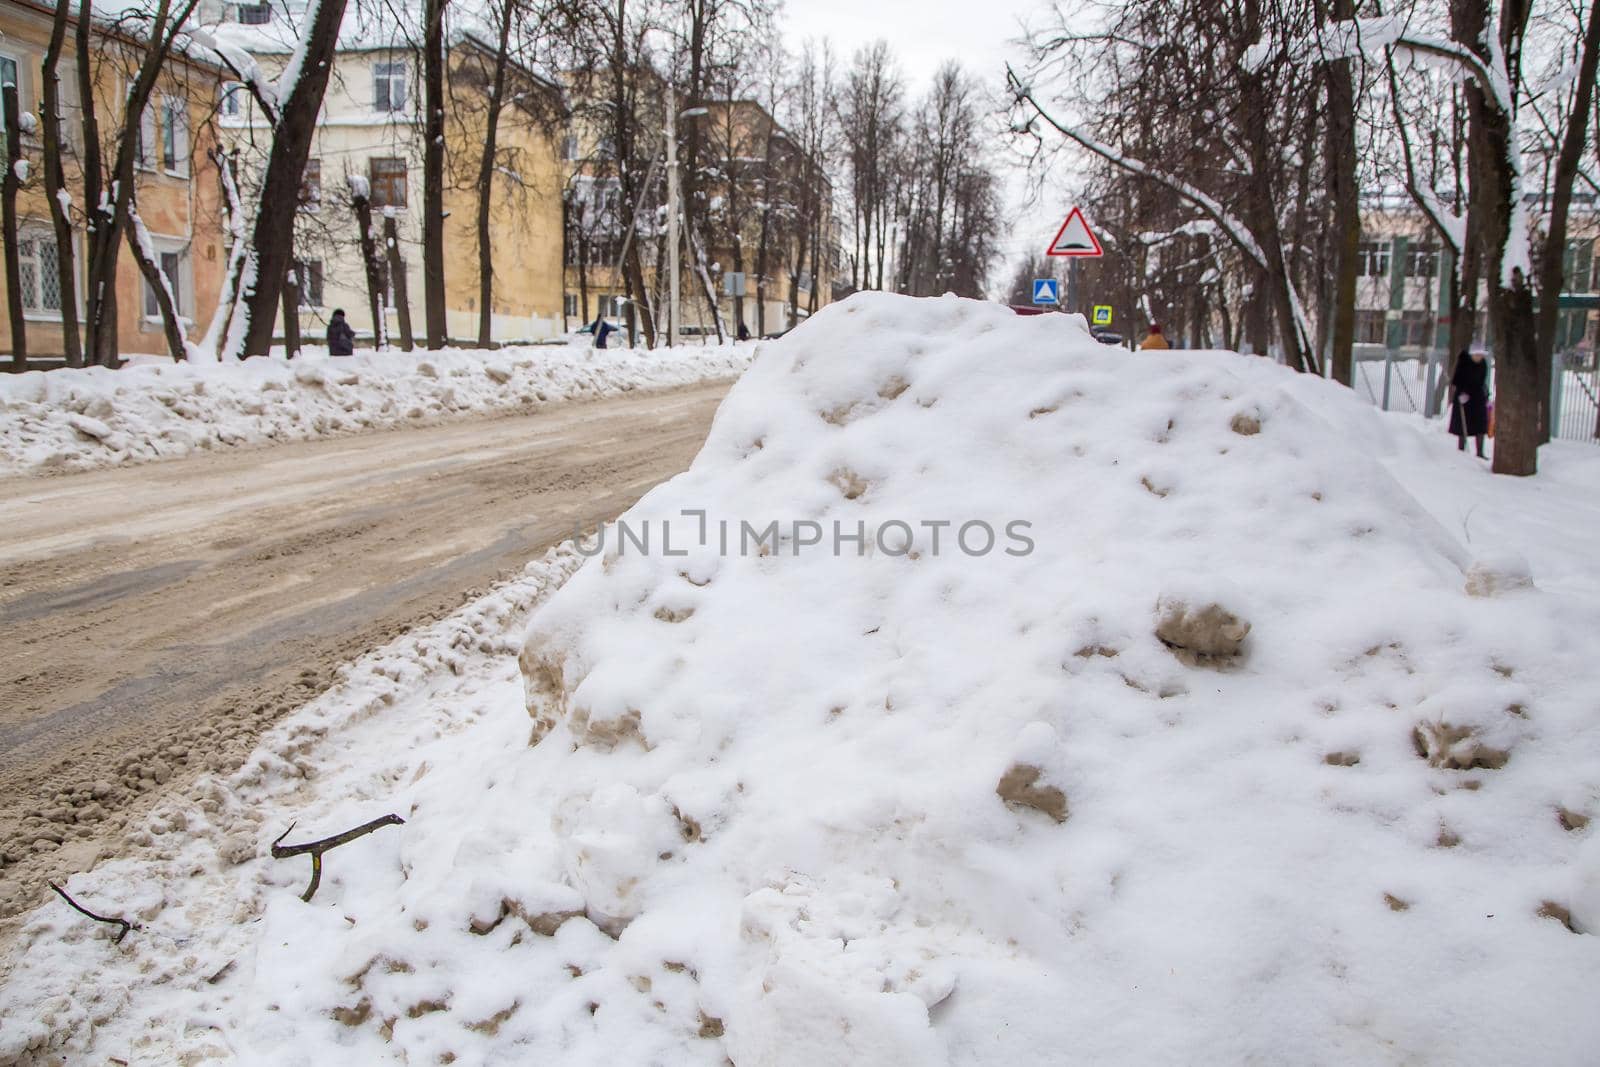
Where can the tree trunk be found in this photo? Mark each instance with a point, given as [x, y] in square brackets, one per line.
[1511, 330]
[373, 266]
[583, 266]
[433, 295]
[144, 257]
[397, 282]
[271, 239]
[486, 167]
[1345, 194]
[8, 224]
[55, 189]
[291, 313]
[633, 275]
[96, 295]
[1552, 263]
[1258, 316]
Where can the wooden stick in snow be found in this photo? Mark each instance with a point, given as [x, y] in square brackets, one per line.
[80, 909]
[316, 848]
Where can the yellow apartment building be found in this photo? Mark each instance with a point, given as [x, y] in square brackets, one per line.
[178, 193]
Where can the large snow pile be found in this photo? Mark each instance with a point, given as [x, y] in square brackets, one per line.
[96, 417]
[1238, 754]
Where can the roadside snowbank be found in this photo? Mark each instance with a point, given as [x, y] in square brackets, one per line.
[95, 417]
[1229, 767]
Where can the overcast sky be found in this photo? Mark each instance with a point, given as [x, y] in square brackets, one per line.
[923, 34]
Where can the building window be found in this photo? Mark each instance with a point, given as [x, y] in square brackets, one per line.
[311, 185]
[39, 272]
[144, 155]
[8, 76]
[1414, 328]
[1422, 261]
[309, 274]
[232, 105]
[1371, 327]
[570, 305]
[174, 136]
[171, 264]
[388, 87]
[610, 307]
[569, 147]
[1372, 259]
[255, 14]
[387, 177]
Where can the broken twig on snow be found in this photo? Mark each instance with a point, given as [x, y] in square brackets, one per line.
[316, 848]
[80, 909]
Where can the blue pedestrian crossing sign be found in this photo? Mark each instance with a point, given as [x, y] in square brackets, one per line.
[1046, 291]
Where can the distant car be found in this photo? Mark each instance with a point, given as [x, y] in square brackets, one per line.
[588, 327]
[1105, 336]
[1027, 309]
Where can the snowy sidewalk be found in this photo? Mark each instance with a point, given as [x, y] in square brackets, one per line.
[95, 417]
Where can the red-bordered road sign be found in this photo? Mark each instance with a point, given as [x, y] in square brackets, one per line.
[1075, 238]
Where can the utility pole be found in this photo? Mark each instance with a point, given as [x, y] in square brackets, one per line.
[672, 215]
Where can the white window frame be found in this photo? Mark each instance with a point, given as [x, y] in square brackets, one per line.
[233, 102]
[31, 230]
[184, 283]
[145, 157]
[175, 129]
[392, 73]
[22, 102]
[302, 269]
[16, 61]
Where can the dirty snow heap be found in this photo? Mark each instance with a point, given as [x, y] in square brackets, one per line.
[986, 695]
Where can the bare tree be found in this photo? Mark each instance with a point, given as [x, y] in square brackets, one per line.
[1204, 101]
[10, 183]
[253, 285]
[55, 187]
[434, 314]
[1552, 261]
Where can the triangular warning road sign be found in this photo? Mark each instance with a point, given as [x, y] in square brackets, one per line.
[1075, 238]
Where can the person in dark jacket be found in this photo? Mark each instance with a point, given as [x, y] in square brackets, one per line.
[1469, 399]
[744, 332]
[602, 331]
[341, 338]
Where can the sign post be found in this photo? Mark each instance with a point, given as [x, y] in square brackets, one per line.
[1076, 241]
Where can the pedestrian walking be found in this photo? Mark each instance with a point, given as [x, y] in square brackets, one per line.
[1154, 341]
[1469, 399]
[602, 330]
[744, 332]
[341, 338]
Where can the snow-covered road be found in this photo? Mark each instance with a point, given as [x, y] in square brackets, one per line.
[157, 618]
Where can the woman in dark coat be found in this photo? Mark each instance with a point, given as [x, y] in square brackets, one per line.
[341, 338]
[1469, 399]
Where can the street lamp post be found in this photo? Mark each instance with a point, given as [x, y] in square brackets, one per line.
[673, 115]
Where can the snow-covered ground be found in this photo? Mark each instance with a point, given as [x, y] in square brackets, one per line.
[157, 409]
[1265, 751]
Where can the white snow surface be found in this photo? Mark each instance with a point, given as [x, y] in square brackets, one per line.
[157, 409]
[761, 823]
